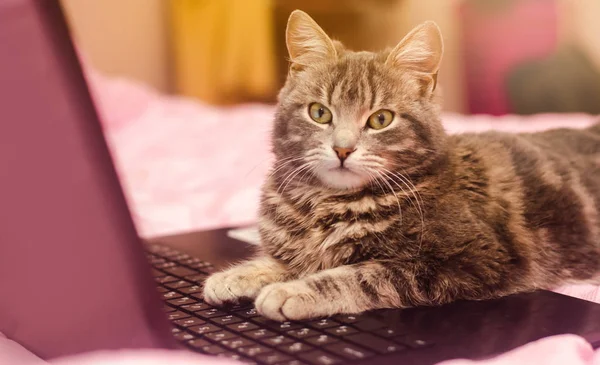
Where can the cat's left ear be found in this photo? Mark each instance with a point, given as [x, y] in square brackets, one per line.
[420, 51]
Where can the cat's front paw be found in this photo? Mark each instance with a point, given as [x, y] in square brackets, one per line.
[230, 286]
[288, 301]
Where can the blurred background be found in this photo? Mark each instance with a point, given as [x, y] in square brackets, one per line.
[502, 56]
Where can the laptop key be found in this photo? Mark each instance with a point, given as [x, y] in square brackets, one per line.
[319, 358]
[221, 335]
[369, 324]
[165, 279]
[323, 323]
[242, 326]
[259, 333]
[179, 257]
[181, 301]
[183, 336]
[168, 308]
[348, 351]
[191, 289]
[177, 284]
[155, 260]
[247, 313]
[165, 265]
[281, 326]
[192, 261]
[277, 341]
[211, 313]
[197, 278]
[203, 329]
[413, 342]
[230, 355]
[273, 358]
[230, 319]
[171, 295]
[322, 340]
[387, 332]
[347, 318]
[156, 273]
[189, 322]
[341, 330]
[212, 349]
[234, 343]
[239, 306]
[198, 343]
[303, 333]
[375, 343]
[199, 296]
[295, 347]
[200, 266]
[196, 307]
[254, 350]
[177, 315]
[162, 289]
[179, 271]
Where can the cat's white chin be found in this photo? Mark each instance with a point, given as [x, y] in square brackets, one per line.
[342, 178]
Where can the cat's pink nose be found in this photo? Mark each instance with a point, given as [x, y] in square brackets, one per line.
[343, 153]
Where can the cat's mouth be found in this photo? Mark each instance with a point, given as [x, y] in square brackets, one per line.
[342, 177]
[342, 169]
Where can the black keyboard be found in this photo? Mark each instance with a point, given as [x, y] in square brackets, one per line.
[238, 332]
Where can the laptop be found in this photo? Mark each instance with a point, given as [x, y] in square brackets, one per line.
[75, 276]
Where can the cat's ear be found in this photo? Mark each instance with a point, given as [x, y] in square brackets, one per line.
[307, 43]
[420, 51]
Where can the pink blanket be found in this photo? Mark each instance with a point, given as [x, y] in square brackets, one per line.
[188, 166]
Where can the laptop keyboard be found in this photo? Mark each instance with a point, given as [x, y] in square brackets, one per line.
[239, 332]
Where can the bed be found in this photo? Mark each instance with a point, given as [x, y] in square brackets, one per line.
[189, 166]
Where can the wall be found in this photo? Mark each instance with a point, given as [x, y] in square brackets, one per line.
[443, 12]
[123, 37]
[129, 37]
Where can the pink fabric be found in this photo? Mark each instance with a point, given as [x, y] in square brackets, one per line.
[557, 350]
[188, 166]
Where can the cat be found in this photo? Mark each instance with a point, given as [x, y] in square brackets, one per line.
[370, 204]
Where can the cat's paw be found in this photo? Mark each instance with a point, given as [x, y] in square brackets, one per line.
[230, 286]
[287, 301]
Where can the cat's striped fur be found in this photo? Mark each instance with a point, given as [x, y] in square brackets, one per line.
[441, 218]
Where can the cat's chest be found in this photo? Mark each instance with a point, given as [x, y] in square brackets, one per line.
[312, 252]
[313, 232]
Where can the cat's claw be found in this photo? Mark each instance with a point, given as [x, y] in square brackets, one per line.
[287, 301]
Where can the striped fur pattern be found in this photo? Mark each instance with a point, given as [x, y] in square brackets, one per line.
[416, 217]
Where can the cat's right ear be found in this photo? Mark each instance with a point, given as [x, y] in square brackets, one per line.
[307, 43]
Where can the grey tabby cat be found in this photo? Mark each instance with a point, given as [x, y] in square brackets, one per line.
[372, 205]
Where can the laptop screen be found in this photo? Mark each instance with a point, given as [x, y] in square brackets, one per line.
[72, 272]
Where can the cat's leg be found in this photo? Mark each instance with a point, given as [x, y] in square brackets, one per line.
[244, 280]
[344, 289]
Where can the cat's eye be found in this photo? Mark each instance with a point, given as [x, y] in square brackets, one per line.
[380, 119]
[319, 113]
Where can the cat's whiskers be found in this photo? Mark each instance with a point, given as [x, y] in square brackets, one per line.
[290, 176]
[413, 189]
[287, 177]
[376, 180]
[383, 179]
[408, 180]
[307, 172]
[416, 203]
[283, 163]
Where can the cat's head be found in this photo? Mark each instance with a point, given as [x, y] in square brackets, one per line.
[345, 119]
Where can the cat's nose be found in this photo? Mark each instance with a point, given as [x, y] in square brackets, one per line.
[343, 153]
